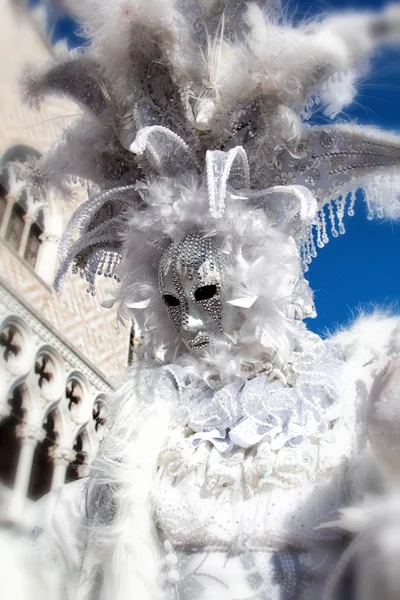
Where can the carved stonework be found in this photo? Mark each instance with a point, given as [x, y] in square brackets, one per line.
[57, 385]
[49, 237]
[5, 410]
[30, 434]
[62, 456]
[83, 470]
[48, 337]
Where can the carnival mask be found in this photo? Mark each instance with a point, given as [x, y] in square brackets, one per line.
[190, 282]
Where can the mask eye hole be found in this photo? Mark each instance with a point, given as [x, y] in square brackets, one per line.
[170, 300]
[205, 292]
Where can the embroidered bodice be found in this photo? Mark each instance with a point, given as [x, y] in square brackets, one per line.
[244, 482]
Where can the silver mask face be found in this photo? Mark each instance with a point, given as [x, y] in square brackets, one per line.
[190, 283]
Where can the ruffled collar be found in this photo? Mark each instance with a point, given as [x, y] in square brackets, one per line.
[280, 410]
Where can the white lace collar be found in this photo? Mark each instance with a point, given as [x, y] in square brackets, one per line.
[247, 411]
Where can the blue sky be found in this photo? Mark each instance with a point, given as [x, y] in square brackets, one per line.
[360, 269]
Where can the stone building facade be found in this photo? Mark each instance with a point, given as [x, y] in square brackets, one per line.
[60, 354]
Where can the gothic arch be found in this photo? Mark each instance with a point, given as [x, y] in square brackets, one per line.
[78, 395]
[23, 206]
[15, 341]
[42, 464]
[10, 443]
[79, 466]
[50, 411]
[19, 153]
[49, 372]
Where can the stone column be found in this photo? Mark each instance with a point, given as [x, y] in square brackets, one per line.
[5, 411]
[28, 219]
[84, 470]
[61, 457]
[7, 214]
[31, 435]
[46, 263]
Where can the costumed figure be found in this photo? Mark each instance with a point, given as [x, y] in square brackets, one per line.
[245, 457]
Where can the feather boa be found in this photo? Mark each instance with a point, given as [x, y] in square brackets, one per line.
[123, 541]
[261, 263]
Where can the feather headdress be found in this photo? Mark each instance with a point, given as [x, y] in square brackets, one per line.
[195, 114]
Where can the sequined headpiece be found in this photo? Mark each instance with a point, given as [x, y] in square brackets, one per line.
[211, 100]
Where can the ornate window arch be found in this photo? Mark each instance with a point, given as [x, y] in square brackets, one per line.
[10, 443]
[52, 413]
[47, 377]
[16, 352]
[22, 206]
[78, 467]
[42, 464]
[99, 416]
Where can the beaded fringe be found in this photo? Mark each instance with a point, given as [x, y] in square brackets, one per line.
[104, 255]
[101, 263]
[329, 219]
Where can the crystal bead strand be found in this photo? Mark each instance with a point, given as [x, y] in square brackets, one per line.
[313, 250]
[325, 238]
[340, 209]
[302, 251]
[378, 197]
[90, 273]
[112, 261]
[394, 199]
[370, 213]
[308, 248]
[352, 201]
[102, 262]
[171, 563]
[116, 264]
[332, 219]
[304, 263]
[320, 243]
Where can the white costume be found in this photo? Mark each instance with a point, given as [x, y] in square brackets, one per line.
[228, 462]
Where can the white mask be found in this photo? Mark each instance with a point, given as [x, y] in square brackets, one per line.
[190, 282]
